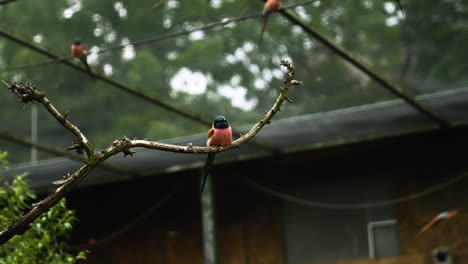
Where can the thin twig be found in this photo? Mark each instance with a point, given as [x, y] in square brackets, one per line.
[28, 93]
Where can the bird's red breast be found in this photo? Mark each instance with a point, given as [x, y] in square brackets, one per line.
[271, 6]
[219, 137]
[78, 51]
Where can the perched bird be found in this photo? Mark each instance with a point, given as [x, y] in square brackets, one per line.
[220, 134]
[437, 219]
[78, 51]
[269, 7]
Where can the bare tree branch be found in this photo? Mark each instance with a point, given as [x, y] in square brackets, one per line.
[28, 93]
[287, 83]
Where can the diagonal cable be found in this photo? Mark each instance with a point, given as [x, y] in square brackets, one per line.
[395, 90]
[3, 2]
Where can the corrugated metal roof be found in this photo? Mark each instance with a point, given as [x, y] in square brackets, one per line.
[319, 130]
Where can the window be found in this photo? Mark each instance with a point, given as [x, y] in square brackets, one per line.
[383, 239]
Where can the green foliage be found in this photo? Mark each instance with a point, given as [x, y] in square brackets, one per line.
[44, 241]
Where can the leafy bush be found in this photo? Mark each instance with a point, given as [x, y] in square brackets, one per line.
[44, 241]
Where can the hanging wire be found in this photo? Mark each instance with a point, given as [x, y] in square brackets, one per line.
[35, 64]
[317, 204]
[153, 39]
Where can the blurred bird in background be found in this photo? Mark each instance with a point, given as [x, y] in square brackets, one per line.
[269, 7]
[78, 51]
[437, 219]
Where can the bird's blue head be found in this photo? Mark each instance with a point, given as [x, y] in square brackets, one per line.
[220, 122]
[76, 41]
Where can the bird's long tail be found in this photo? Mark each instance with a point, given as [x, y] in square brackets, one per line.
[429, 225]
[262, 31]
[265, 23]
[85, 62]
[207, 168]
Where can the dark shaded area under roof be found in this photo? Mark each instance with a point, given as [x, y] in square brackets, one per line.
[314, 131]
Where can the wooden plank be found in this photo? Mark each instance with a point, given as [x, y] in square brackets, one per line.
[407, 259]
[183, 247]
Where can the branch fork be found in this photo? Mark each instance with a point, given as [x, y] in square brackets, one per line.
[27, 92]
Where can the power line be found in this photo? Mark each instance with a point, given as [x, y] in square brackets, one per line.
[393, 89]
[317, 204]
[35, 64]
[152, 39]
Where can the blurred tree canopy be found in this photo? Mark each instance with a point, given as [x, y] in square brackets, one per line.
[44, 242]
[222, 70]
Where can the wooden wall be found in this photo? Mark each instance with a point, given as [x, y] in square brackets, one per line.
[249, 228]
[438, 160]
[250, 225]
[418, 163]
[170, 234]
